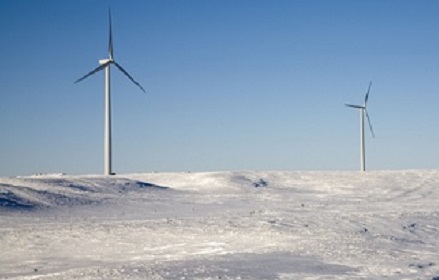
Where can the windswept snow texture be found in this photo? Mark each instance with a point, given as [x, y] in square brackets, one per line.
[223, 225]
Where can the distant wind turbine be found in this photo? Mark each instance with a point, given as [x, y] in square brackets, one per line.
[105, 64]
[363, 111]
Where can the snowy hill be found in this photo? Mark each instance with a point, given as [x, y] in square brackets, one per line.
[221, 225]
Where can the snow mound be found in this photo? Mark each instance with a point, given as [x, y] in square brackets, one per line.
[26, 193]
[9, 199]
[216, 182]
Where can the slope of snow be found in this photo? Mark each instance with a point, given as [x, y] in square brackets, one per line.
[221, 225]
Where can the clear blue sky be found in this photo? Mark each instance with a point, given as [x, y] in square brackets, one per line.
[232, 85]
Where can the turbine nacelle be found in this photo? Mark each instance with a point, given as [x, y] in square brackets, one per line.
[105, 61]
[355, 106]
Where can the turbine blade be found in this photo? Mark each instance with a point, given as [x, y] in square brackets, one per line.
[354, 106]
[92, 72]
[110, 40]
[367, 94]
[370, 124]
[128, 75]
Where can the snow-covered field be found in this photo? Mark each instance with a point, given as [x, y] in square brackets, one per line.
[222, 225]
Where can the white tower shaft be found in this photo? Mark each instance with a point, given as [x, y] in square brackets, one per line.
[107, 124]
[362, 144]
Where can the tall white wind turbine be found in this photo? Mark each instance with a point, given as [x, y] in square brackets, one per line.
[363, 111]
[105, 64]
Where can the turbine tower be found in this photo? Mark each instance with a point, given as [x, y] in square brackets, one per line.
[363, 112]
[105, 64]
